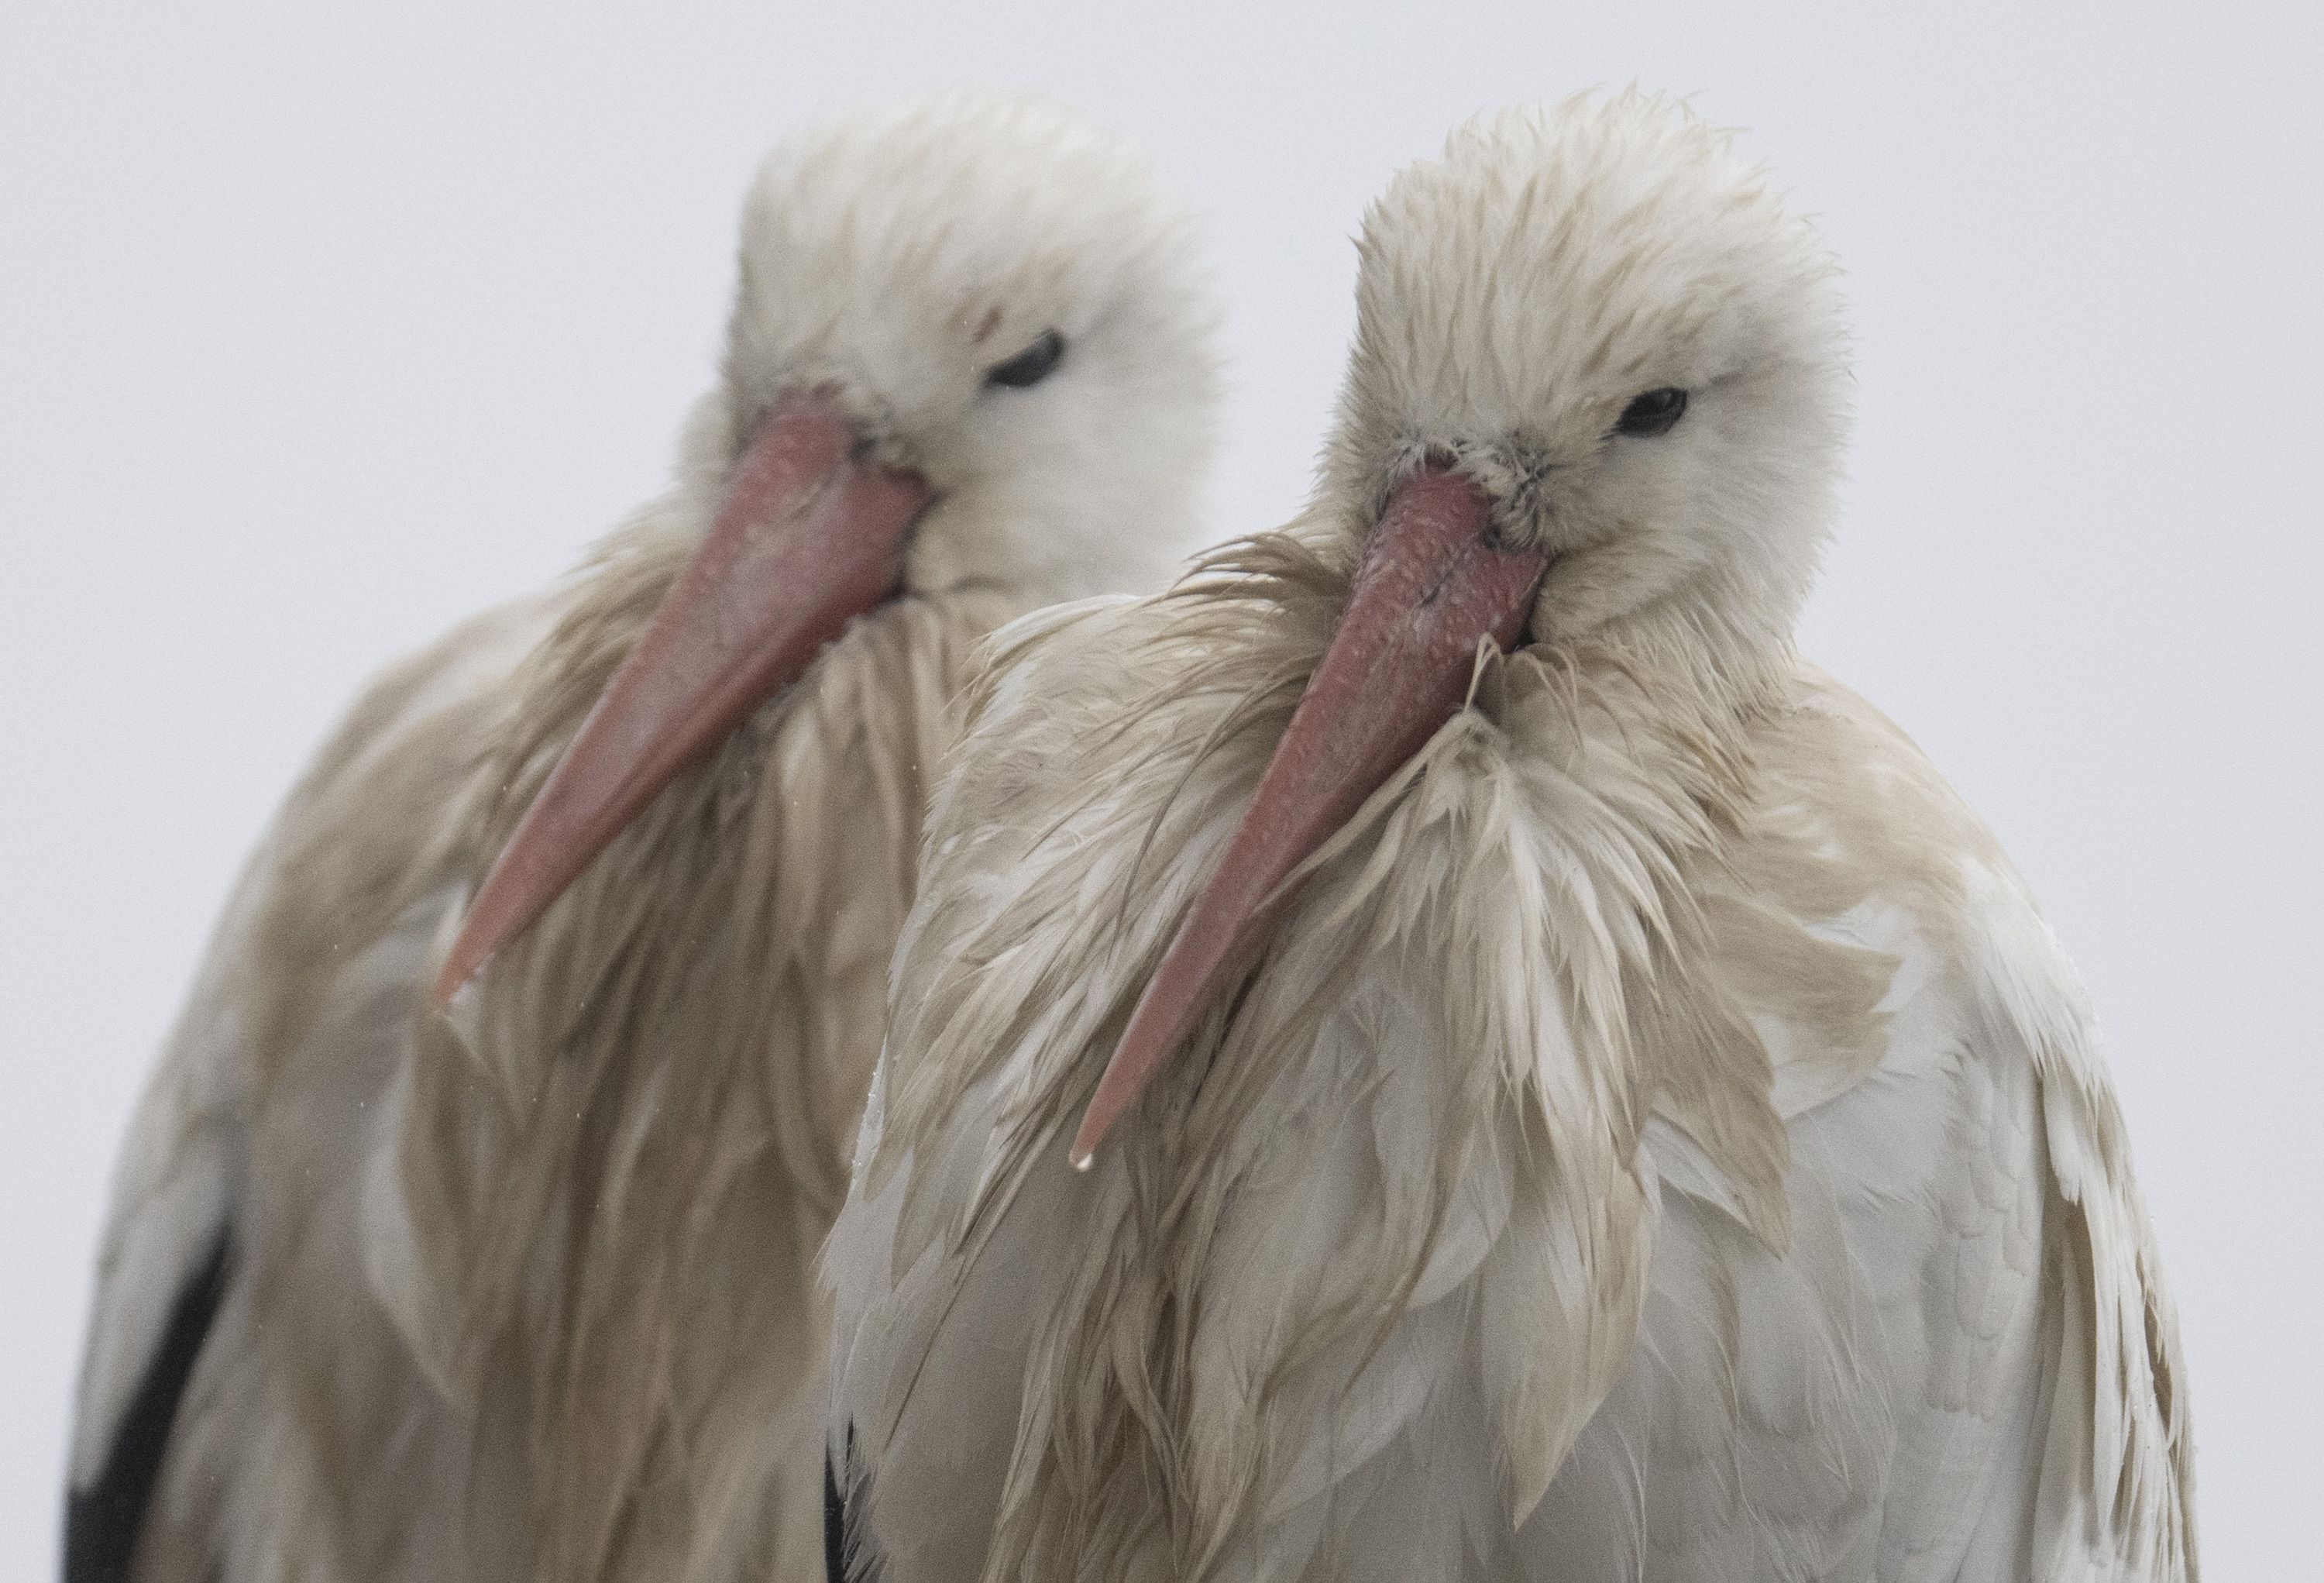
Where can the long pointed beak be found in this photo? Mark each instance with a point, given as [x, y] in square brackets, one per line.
[808, 539]
[1397, 668]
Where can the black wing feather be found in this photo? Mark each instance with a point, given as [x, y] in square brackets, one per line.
[847, 1553]
[103, 1522]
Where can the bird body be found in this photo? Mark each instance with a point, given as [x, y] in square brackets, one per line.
[519, 1284]
[1654, 1136]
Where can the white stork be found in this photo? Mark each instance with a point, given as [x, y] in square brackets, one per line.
[524, 1290]
[1609, 1111]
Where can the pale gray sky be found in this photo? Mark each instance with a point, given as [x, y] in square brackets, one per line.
[317, 332]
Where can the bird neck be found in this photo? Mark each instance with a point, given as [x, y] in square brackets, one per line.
[1445, 1040]
[680, 1046]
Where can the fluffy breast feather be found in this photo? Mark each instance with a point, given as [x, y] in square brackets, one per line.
[648, 1104]
[1496, 909]
[1408, 1171]
[532, 1295]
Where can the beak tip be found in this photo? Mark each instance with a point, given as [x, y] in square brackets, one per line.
[1095, 1124]
[1118, 1089]
[460, 968]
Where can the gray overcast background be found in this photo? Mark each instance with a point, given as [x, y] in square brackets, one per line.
[315, 333]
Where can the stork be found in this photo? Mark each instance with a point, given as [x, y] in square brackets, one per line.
[1561, 1088]
[471, 1239]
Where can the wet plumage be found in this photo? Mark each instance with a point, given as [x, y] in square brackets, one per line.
[1655, 1136]
[522, 1290]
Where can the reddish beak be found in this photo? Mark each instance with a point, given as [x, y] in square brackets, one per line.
[1399, 667]
[808, 539]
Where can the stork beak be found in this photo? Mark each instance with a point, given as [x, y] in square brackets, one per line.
[808, 538]
[1399, 667]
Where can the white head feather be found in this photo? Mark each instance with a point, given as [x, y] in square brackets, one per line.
[1551, 266]
[899, 255]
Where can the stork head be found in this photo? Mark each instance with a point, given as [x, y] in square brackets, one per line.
[1602, 320]
[970, 347]
[1599, 380]
[994, 297]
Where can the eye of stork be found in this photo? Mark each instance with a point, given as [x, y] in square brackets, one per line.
[1034, 364]
[1652, 413]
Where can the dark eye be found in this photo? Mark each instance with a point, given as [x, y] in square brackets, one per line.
[1652, 413]
[1034, 364]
